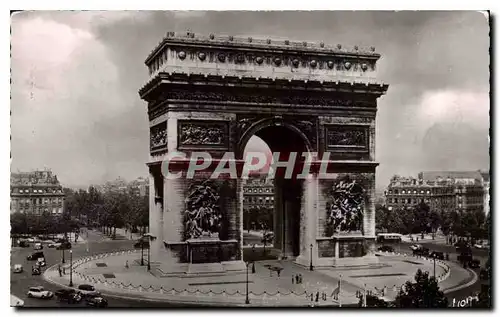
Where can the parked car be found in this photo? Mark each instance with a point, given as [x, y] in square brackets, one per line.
[23, 244]
[41, 262]
[461, 244]
[474, 264]
[437, 255]
[97, 301]
[36, 270]
[66, 245]
[40, 292]
[421, 251]
[18, 268]
[88, 290]
[31, 240]
[35, 256]
[37, 246]
[54, 245]
[69, 296]
[415, 247]
[386, 248]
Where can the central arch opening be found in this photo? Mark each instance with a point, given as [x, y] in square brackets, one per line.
[272, 217]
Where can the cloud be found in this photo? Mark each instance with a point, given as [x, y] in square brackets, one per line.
[76, 75]
[63, 85]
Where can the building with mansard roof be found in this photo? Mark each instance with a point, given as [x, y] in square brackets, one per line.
[443, 191]
[36, 193]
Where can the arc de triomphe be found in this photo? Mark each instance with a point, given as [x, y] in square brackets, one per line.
[212, 94]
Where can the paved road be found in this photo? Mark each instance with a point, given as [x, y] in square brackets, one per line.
[479, 254]
[21, 282]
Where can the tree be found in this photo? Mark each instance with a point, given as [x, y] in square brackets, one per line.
[423, 293]
[422, 216]
[484, 297]
[372, 301]
[435, 222]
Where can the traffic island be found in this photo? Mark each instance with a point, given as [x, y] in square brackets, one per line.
[120, 275]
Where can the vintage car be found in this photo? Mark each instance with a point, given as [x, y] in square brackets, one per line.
[386, 248]
[35, 256]
[97, 301]
[41, 262]
[88, 290]
[39, 292]
[18, 268]
[36, 270]
[69, 296]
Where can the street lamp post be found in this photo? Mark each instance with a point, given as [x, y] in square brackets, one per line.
[434, 266]
[253, 259]
[247, 300]
[142, 252]
[71, 268]
[311, 264]
[149, 256]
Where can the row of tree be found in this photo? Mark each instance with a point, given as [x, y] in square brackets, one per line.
[90, 207]
[258, 218]
[108, 210]
[420, 219]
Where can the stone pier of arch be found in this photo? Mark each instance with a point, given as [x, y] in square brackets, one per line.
[206, 94]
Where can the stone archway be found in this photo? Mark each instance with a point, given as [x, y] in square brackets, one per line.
[211, 94]
[284, 138]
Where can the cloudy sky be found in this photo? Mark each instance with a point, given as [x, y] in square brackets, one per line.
[75, 76]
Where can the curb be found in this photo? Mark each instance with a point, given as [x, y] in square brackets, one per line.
[459, 287]
[180, 302]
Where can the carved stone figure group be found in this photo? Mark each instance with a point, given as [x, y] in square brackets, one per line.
[197, 134]
[346, 137]
[158, 138]
[345, 210]
[202, 215]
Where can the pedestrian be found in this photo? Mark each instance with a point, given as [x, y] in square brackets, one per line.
[126, 264]
[59, 270]
[317, 297]
[278, 271]
[300, 278]
[64, 270]
[297, 279]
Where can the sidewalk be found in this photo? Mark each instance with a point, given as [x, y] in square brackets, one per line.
[439, 239]
[229, 289]
[122, 235]
[109, 274]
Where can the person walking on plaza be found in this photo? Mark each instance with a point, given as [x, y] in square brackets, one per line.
[126, 264]
[59, 270]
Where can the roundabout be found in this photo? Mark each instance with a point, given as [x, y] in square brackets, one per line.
[120, 275]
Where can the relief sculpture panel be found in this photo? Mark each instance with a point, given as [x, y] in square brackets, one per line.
[345, 205]
[202, 216]
[347, 136]
[158, 137]
[203, 134]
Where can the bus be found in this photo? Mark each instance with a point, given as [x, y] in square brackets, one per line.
[389, 237]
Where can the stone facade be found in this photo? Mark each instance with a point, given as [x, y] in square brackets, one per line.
[36, 193]
[212, 94]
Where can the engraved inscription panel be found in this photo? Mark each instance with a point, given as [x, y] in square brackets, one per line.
[206, 134]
